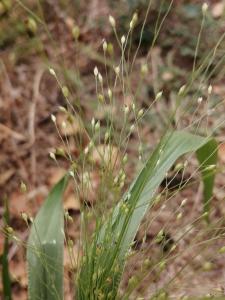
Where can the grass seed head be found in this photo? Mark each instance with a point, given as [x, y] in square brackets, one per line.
[210, 167]
[207, 266]
[144, 69]
[199, 100]
[24, 216]
[205, 214]
[205, 7]
[52, 72]
[157, 199]
[52, 155]
[132, 128]
[95, 71]
[93, 122]
[159, 236]
[23, 187]
[65, 91]
[110, 94]
[70, 219]
[123, 40]
[86, 150]
[133, 21]
[64, 124]
[32, 25]
[222, 250]
[125, 158]
[140, 113]
[159, 95]
[162, 265]
[117, 70]
[60, 151]
[109, 280]
[100, 79]
[179, 216]
[185, 163]
[182, 90]
[53, 118]
[110, 49]
[100, 98]
[71, 173]
[70, 244]
[97, 126]
[210, 89]
[112, 21]
[126, 109]
[123, 177]
[62, 109]
[179, 167]
[9, 230]
[146, 263]
[173, 248]
[132, 281]
[116, 179]
[107, 135]
[184, 201]
[76, 32]
[104, 46]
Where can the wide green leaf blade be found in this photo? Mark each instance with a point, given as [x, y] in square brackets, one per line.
[116, 236]
[142, 190]
[45, 248]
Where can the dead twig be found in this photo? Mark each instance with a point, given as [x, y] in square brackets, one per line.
[9, 132]
[31, 125]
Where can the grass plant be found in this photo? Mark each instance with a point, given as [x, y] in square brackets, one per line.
[109, 228]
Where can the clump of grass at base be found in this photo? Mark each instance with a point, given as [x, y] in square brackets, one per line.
[105, 257]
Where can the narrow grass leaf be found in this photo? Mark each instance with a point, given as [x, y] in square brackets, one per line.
[207, 156]
[6, 281]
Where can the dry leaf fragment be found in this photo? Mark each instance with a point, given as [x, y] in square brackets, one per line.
[90, 186]
[6, 176]
[106, 154]
[72, 202]
[221, 152]
[68, 127]
[218, 9]
[57, 174]
[18, 272]
[167, 76]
